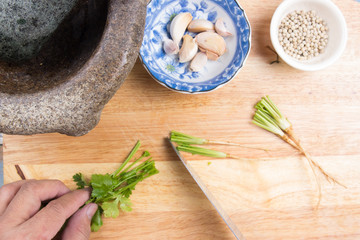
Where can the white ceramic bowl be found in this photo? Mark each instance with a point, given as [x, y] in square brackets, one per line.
[331, 14]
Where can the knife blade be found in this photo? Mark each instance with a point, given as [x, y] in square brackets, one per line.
[210, 197]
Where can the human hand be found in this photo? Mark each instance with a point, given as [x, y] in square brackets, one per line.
[22, 218]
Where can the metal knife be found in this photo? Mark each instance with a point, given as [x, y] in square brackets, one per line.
[211, 197]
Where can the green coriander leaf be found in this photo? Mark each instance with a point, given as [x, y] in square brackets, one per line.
[111, 209]
[146, 154]
[98, 180]
[125, 204]
[102, 185]
[96, 221]
[100, 193]
[127, 192]
[80, 181]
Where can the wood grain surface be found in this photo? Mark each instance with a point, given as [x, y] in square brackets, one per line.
[271, 197]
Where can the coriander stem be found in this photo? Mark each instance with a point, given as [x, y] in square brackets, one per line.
[134, 183]
[239, 158]
[133, 172]
[201, 151]
[143, 165]
[234, 144]
[124, 180]
[137, 160]
[182, 138]
[263, 120]
[185, 139]
[132, 153]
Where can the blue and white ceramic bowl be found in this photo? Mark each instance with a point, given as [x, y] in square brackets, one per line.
[176, 76]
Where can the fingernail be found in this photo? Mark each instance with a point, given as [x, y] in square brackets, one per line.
[91, 210]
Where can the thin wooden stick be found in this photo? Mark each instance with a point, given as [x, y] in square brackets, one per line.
[20, 172]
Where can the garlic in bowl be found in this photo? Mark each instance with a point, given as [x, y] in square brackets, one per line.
[308, 35]
[202, 67]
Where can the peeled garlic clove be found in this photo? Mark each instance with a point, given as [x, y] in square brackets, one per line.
[209, 54]
[200, 25]
[212, 44]
[212, 56]
[170, 47]
[178, 26]
[198, 62]
[188, 49]
[221, 29]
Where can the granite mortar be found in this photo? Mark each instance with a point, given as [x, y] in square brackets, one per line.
[67, 95]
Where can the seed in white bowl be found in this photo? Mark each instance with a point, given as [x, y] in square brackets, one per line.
[303, 35]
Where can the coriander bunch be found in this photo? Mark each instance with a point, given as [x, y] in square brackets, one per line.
[111, 192]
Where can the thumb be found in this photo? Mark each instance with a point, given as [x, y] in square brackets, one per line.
[78, 227]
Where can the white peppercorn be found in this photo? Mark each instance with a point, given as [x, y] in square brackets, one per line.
[303, 35]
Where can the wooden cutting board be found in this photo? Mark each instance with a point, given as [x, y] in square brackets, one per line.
[271, 197]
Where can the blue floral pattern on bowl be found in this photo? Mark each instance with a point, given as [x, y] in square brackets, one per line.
[168, 71]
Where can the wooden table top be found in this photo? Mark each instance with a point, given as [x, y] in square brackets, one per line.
[267, 199]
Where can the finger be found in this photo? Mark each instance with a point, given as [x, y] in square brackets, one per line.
[7, 193]
[27, 200]
[48, 221]
[78, 227]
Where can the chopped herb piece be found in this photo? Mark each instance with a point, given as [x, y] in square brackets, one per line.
[201, 151]
[181, 138]
[185, 139]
